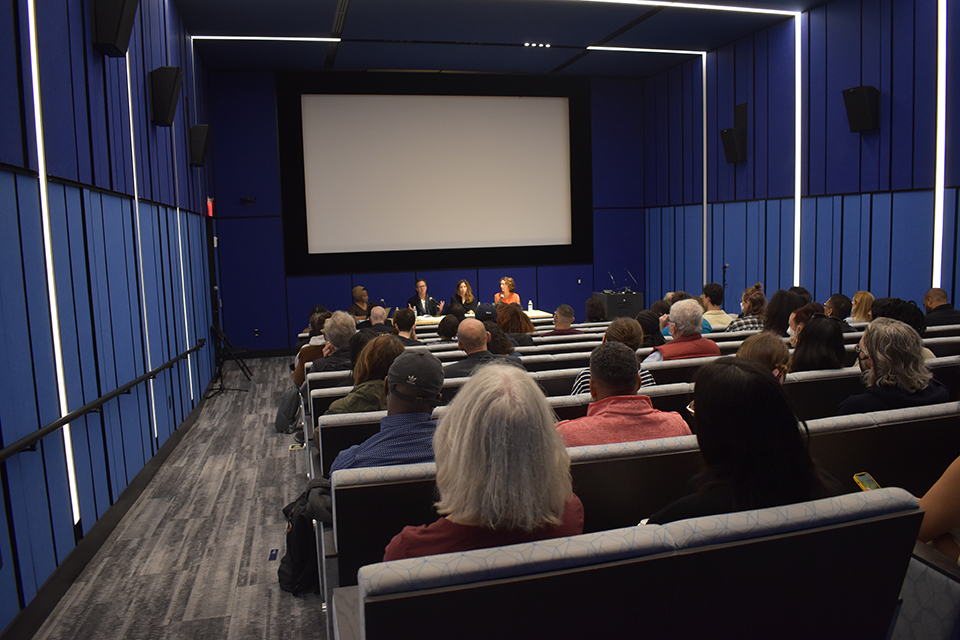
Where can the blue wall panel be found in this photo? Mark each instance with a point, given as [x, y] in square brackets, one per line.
[753, 243]
[618, 245]
[714, 147]
[693, 239]
[842, 154]
[902, 108]
[849, 251]
[781, 121]
[870, 74]
[734, 245]
[726, 101]
[56, 89]
[566, 284]
[773, 229]
[808, 243]
[816, 106]
[880, 243]
[663, 165]
[397, 288]
[692, 123]
[617, 139]
[925, 95]
[11, 142]
[744, 94]
[953, 97]
[675, 107]
[305, 293]
[759, 107]
[886, 91]
[654, 262]
[911, 246]
[951, 242]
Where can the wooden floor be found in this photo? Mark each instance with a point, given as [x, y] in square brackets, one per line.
[197, 556]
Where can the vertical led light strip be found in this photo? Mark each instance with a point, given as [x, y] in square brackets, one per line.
[183, 280]
[941, 143]
[48, 257]
[706, 217]
[136, 216]
[797, 140]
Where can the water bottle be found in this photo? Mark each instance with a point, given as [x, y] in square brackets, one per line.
[529, 305]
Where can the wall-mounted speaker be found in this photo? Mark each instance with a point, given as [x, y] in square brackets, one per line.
[734, 142]
[199, 143]
[112, 24]
[863, 108]
[164, 94]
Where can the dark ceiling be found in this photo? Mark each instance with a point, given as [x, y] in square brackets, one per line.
[468, 35]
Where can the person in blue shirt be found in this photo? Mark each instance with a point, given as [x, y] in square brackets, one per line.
[412, 387]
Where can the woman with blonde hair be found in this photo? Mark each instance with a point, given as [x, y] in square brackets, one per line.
[862, 307]
[371, 368]
[503, 473]
[753, 306]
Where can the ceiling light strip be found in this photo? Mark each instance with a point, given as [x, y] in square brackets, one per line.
[48, 259]
[266, 38]
[702, 7]
[940, 183]
[640, 50]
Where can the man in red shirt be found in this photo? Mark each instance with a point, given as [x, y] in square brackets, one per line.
[617, 413]
[686, 320]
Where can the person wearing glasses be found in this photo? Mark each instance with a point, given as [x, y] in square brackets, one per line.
[839, 306]
[685, 321]
[895, 372]
[421, 303]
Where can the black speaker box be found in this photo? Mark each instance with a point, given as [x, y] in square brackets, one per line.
[863, 108]
[626, 304]
[112, 24]
[164, 94]
[199, 143]
[734, 142]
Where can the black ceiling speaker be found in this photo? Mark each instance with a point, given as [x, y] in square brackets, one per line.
[199, 143]
[863, 108]
[164, 94]
[112, 24]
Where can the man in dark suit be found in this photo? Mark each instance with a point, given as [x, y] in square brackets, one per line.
[939, 309]
[422, 304]
[472, 337]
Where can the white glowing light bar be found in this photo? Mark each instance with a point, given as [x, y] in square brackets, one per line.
[266, 38]
[183, 292]
[639, 50]
[704, 7]
[706, 210]
[48, 258]
[797, 149]
[939, 186]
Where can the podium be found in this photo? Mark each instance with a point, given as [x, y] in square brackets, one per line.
[620, 304]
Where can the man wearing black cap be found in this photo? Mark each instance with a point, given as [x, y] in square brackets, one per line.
[412, 387]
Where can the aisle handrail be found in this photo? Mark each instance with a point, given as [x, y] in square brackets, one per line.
[27, 442]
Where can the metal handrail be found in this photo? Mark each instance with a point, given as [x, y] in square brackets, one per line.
[27, 442]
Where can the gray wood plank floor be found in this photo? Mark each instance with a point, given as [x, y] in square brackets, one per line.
[191, 559]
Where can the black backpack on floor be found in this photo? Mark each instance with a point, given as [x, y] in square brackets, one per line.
[298, 572]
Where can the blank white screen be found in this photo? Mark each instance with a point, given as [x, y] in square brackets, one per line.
[393, 172]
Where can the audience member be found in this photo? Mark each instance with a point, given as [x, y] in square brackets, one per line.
[753, 451]
[905, 311]
[507, 295]
[626, 331]
[649, 321]
[713, 301]
[503, 474]
[675, 297]
[660, 307]
[753, 306]
[412, 390]
[861, 307]
[562, 319]
[800, 317]
[472, 338]
[405, 322]
[939, 309]
[686, 319]
[313, 349]
[782, 303]
[941, 513]
[486, 311]
[516, 324]
[617, 413]
[421, 303]
[464, 297]
[456, 309]
[596, 311]
[839, 306]
[819, 345]
[769, 351]
[370, 369]
[447, 329]
[338, 330]
[378, 321]
[499, 343]
[311, 333]
[894, 370]
[314, 311]
[803, 293]
[360, 309]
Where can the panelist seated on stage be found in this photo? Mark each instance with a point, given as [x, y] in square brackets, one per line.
[617, 413]
[422, 304]
[360, 309]
[472, 338]
[686, 320]
[464, 296]
[562, 319]
[405, 322]
[507, 294]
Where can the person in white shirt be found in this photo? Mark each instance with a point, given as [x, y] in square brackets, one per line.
[713, 301]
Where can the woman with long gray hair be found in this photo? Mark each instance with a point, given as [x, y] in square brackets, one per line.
[503, 474]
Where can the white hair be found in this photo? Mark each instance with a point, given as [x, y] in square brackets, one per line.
[339, 328]
[687, 317]
[500, 462]
[897, 353]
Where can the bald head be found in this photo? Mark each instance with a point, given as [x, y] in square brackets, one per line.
[934, 298]
[472, 336]
[378, 315]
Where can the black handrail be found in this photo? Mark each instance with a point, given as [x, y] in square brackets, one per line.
[27, 442]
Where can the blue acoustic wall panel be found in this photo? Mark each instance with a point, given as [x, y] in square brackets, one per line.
[953, 98]
[886, 91]
[754, 242]
[397, 288]
[650, 161]
[675, 107]
[653, 287]
[525, 279]
[870, 65]
[53, 40]
[251, 263]
[618, 247]
[880, 245]
[566, 284]
[816, 105]
[11, 102]
[617, 137]
[744, 94]
[901, 92]
[951, 244]
[911, 245]
[714, 148]
[925, 94]
[693, 241]
[247, 163]
[760, 108]
[842, 153]
[440, 284]
[724, 173]
[305, 293]
[773, 228]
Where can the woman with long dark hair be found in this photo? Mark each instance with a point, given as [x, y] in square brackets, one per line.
[754, 453]
[819, 345]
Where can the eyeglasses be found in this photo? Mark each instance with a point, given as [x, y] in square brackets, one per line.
[690, 408]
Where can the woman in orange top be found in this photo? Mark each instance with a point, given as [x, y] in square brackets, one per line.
[507, 295]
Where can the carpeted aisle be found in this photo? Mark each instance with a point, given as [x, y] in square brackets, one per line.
[192, 559]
